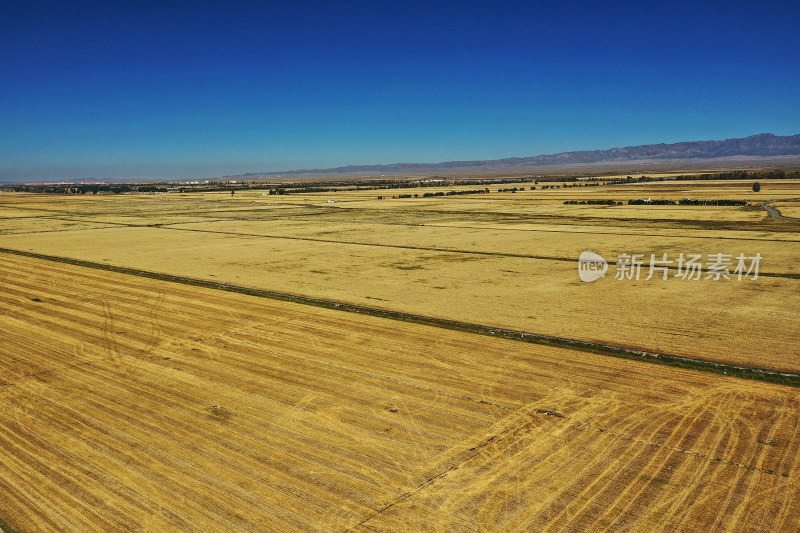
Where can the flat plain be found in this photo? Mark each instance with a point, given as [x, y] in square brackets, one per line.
[505, 260]
[139, 405]
[135, 404]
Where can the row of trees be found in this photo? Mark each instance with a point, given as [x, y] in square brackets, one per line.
[322, 186]
[682, 201]
[455, 193]
[689, 201]
[729, 175]
[92, 188]
[592, 202]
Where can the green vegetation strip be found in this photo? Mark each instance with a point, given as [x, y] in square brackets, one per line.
[760, 374]
[5, 528]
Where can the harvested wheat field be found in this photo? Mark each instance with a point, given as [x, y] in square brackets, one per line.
[499, 259]
[399, 268]
[131, 404]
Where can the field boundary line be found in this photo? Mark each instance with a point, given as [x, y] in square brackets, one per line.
[526, 412]
[475, 451]
[611, 233]
[787, 275]
[755, 373]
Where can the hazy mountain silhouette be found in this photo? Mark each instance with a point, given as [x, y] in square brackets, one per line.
[762, 145]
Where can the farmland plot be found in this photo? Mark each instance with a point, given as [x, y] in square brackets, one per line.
[132, 404]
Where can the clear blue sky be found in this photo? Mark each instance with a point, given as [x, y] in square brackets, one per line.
[201, 89]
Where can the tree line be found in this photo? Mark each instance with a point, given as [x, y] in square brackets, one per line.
[727, 175]
[92, 188]
[682, 201]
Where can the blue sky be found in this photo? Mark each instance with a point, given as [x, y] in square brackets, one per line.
[203, 89]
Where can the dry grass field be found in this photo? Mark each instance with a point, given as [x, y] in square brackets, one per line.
[132, 404]
[501, 259]
[137, 404]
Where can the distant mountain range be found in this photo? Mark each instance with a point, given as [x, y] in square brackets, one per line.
[757, 146]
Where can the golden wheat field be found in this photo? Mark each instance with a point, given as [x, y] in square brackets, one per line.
[501, 259]
[139, 405]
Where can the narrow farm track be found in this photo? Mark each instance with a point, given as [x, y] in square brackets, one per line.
[774, 213]
[436, 249]
[449, 249]
[135, 404]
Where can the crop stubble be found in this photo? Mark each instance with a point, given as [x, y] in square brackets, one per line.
[133, 404]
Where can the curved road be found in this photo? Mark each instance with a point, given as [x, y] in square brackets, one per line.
[774, 213]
